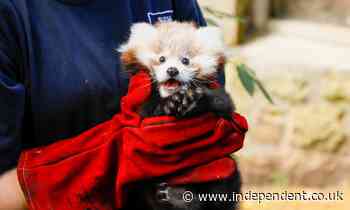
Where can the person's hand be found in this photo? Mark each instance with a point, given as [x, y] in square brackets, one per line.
[11, 195]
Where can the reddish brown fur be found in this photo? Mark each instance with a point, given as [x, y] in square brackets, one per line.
[221, 62]
[130, 61]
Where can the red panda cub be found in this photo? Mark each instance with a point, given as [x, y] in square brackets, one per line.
[184, 62]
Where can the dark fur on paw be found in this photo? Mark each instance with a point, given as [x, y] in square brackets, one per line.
[159, 196]
[220, 102]
[182, 102]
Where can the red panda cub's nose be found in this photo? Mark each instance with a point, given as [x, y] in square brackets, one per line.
[172, 71]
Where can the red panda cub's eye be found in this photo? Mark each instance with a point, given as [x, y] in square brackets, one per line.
[185, 61]
[162, 59]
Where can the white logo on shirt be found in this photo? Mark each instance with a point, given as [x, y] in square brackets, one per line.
[164, 16]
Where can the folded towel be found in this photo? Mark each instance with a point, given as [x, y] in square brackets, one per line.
[93, 170]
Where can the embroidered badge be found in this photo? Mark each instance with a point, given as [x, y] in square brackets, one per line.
[165, 16]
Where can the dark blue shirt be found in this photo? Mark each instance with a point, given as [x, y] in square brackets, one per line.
[59, 74]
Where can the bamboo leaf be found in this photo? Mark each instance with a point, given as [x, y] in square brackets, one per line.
[247, 80]
[220, 14]
[245, 74]
[211, 22]
[250, 71]
[264, 91]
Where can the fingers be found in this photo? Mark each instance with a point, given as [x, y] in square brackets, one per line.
[11, 195]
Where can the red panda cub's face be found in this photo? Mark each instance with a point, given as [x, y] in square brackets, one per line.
[175, 54]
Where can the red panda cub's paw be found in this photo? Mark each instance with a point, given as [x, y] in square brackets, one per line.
[183, 102]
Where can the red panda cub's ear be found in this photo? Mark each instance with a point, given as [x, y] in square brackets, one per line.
[141, 35]
[130, 62]
[211, 39]
[212, 42]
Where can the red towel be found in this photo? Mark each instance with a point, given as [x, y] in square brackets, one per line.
[94, 169]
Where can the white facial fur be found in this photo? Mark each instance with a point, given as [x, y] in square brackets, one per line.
[175, 41]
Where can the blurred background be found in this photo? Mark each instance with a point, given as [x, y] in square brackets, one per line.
[300, 50]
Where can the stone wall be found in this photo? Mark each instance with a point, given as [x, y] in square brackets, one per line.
[304, 137]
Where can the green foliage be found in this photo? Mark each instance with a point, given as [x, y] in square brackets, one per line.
[211, 22]
[249, 81]
[220, 15]
[246, 78]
